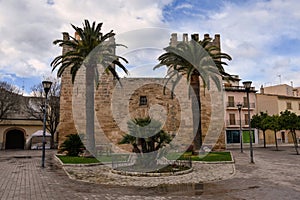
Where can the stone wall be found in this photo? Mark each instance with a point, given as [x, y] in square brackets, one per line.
[116, 104]
[66, 123]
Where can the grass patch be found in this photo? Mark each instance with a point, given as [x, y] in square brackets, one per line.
[113, 157]
[210, 157]
[85, 160]
[77, 160]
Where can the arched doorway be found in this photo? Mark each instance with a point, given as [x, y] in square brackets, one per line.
[14, 139]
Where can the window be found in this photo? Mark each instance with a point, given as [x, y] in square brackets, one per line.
[245, 105]
[246, 119]
[230, 101]
[299, 106]
[143, 100]
[232, 119]
[289, 105]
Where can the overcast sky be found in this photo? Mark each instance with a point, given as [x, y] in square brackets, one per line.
[261, 36]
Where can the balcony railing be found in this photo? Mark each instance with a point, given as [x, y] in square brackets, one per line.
[236, 123]
[234, 105]
[252, 105]
[237, 88]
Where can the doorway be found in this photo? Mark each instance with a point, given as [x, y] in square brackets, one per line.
[283, 137]
[233, 136]
[14, 139]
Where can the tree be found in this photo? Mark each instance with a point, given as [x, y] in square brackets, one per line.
[9, 99]
[257, 122]
[195, 59]
[272, 123]
[89, 50]
[290, 121]
[35, 106]
[146, 136]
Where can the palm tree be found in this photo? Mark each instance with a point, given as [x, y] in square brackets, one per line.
[195, 59]
[147, 138]
[89, 50]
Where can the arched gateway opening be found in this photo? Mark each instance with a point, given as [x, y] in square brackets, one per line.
[14, 139]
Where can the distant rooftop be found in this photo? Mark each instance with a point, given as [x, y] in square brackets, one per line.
[282, 89]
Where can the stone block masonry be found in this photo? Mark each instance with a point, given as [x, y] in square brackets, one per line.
[116, 104]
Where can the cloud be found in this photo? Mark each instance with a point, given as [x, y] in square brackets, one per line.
[249, 32]
[28, 28]
[184, 5]
[26, 37]
[261, 36]
[118, 15]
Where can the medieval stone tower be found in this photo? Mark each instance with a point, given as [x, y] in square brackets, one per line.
[146, 96]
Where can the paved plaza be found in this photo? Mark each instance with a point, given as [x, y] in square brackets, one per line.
[275, 175]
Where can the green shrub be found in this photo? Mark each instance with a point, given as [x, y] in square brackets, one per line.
[145, 135]
[72, 145]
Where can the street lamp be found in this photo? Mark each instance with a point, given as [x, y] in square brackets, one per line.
[46, 86]
[239, 105]
[247, 85]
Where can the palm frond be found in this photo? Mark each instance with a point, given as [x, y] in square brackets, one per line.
[91, 49]
[195, 57]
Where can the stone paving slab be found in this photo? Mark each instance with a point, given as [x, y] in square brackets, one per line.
[23, 178]
[275, 175]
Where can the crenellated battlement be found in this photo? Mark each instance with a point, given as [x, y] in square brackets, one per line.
[185, 38]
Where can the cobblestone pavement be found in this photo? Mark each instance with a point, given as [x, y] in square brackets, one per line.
[275, 175]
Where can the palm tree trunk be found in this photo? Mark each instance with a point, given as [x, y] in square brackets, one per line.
[143, 145]
[196, 109]
[90, 111]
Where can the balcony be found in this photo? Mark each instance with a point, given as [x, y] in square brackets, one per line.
[252, 105]
[233, 105]
[238, 88]
[236, 123]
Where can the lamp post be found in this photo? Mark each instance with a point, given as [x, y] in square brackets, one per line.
[46, 86]
[239, 105]
[247, 85]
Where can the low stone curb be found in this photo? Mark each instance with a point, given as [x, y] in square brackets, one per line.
[146, 174]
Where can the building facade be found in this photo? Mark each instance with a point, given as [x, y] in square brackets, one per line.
[276, 99]
[18, 126]
[236, 120]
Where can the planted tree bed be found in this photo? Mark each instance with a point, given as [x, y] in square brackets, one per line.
[161, 170]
